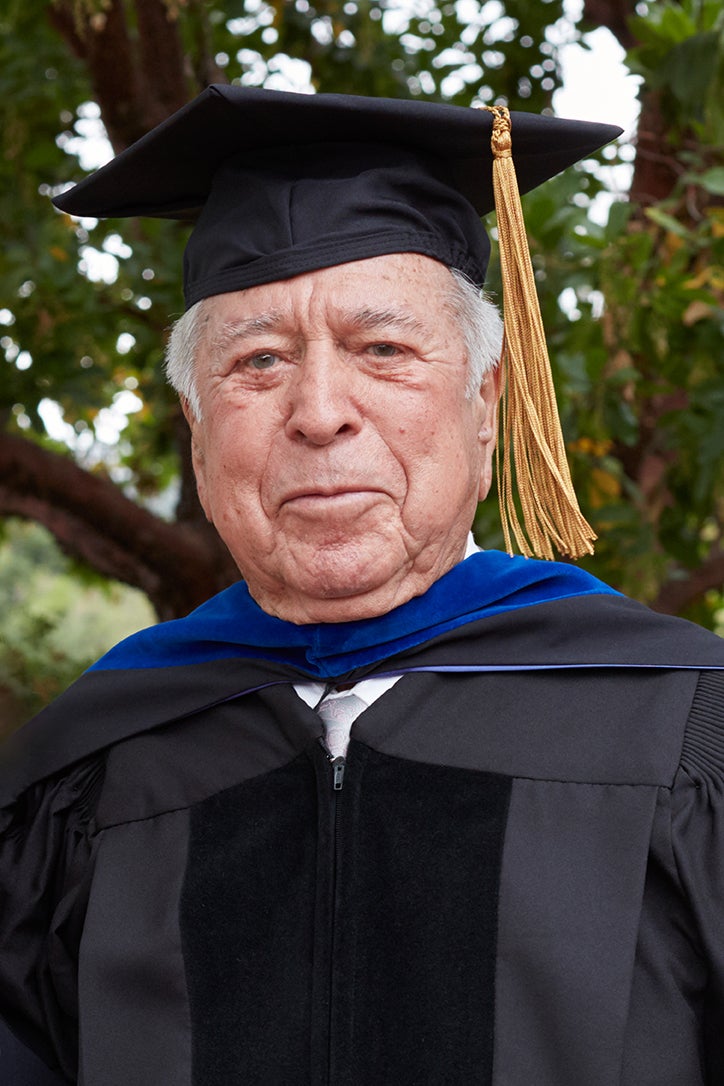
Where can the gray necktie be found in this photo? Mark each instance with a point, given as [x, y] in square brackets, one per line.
[338, 715]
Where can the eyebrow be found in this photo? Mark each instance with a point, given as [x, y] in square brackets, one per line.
[363, 320]
[232, 331]
[367, 320]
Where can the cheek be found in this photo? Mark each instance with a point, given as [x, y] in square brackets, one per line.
[200, 466]
[443, 461]
[225, 463]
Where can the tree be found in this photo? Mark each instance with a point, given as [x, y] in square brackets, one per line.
[642, 387]
[57, 619]
[86, 344]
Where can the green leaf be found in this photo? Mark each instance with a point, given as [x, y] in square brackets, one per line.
[712, 180]
[690, 67]
[667, 222]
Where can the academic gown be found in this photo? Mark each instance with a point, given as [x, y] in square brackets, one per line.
[517, 878]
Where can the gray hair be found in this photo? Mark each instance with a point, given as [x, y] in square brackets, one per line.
[482, 328]
[181, 351]
[479, 318]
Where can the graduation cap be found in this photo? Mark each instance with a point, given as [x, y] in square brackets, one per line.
[280, 184]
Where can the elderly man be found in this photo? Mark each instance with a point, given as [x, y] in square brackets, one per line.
[392, 810]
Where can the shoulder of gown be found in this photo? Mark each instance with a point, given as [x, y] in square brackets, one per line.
[697, 847]
[46, 864]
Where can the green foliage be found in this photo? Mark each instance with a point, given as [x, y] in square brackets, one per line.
[402, 50]
[634, 313]
[633, 308]
[681, 55]
[70, 326]
[54, 626]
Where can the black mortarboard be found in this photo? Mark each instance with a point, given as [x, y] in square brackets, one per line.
[282, 184]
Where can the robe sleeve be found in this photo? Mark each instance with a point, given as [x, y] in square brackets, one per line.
[46, 854]
[698, 850]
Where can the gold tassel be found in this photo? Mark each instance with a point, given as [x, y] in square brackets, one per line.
[530, 429]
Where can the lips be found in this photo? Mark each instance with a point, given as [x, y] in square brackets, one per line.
[338, 498]
[326, 492]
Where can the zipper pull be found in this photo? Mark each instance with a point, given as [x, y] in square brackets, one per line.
[338, 767]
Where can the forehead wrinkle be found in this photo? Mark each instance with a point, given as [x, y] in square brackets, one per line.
[234, 330]
[368, 319]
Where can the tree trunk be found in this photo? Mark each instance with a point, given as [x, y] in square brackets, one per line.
[178, 565]
[138, 74]
[137, 78]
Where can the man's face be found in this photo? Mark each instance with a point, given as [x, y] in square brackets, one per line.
[337, 453]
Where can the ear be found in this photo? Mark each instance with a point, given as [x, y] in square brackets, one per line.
[188, 412]
[489, 394]
[198, 458]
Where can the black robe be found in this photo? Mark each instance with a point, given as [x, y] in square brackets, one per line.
[520, 881]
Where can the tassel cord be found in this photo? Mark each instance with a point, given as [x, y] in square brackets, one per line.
[533, 457]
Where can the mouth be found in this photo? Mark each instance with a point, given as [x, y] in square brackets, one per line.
[330, 497]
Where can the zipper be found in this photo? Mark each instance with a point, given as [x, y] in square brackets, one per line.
[338, 767]
[335, 776]
[337, 763]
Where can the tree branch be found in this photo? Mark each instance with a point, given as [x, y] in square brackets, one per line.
[137, 79]
[676, 595]
[92, 520]
[161, 70]
[656, 169]
[614, 15]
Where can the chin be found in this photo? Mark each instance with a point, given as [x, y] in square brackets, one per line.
[342, 608]
[338, 580]
[337, 587]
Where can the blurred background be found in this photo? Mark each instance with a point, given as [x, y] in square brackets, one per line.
[100, 528]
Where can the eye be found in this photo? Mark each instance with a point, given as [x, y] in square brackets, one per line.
[262, 361]
[383, 350]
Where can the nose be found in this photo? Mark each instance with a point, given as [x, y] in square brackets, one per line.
[321, 404]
